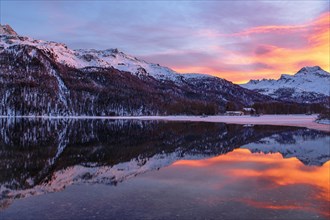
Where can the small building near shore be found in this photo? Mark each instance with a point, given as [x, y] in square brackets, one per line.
[249, 111]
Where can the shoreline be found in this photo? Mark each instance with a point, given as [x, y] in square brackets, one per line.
[307, 121]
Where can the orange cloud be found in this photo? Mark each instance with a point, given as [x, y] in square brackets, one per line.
[267, 29]
[315, 52]
[277, 59]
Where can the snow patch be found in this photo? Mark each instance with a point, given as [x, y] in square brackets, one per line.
[324, 121]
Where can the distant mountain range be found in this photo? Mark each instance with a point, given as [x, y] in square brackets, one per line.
[47, 78]
[310, 84]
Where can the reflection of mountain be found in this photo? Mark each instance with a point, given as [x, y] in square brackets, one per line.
[44, 156]
[310, 147]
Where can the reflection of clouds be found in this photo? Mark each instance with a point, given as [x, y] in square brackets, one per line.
[259, 178]
[307, 207]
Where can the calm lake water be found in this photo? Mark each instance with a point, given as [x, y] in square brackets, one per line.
[126, 169]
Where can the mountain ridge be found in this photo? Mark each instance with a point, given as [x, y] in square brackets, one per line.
[305, 86]
[47, 78]
[7, 30]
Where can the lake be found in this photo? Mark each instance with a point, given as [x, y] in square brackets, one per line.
[133, 169]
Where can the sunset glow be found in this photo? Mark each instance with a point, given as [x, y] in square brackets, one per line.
[272, 58]
[238, 40]
[168, 109]
[280, 171]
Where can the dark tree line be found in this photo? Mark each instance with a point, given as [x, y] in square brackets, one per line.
[288, 108]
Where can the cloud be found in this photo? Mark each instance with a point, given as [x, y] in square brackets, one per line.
[233, 16]
[236, 40]
[262, 53]
[256, 52]
[263, 49]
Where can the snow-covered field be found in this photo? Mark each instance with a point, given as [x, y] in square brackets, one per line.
[307, 121]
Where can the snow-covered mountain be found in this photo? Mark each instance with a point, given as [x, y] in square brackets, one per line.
[42, 77]
[6, 30]
[310, 84]
[83, 58]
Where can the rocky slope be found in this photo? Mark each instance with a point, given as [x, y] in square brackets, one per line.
[308, 85]
[6, 30]
[47, 78]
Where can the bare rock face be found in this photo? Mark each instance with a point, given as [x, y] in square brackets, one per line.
[7, 30]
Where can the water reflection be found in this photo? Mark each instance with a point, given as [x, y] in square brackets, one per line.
[309, 148]
[42, 156]
[267, 174]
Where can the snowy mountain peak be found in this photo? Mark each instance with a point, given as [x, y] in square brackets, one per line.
[7, 30]
[82, 58]
[309, 84]
[88, 58]
[312, 70]
[285, 76]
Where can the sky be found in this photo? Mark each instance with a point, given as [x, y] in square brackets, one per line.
[235, 40]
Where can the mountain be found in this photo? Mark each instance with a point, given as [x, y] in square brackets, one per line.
[308, 85]
[47, 78]
[6, 30]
